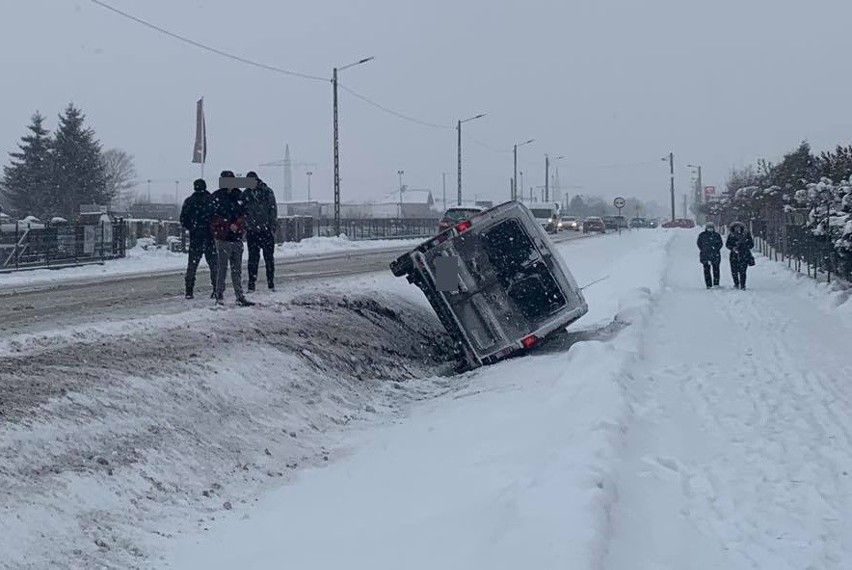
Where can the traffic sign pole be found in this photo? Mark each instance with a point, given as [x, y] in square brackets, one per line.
[619, 203]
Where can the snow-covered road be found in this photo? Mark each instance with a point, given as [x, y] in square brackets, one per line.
[740, 455]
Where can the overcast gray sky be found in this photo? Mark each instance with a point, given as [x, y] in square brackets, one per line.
[612, 84]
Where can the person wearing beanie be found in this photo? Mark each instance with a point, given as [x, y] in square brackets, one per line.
[261, 225]
[229, 227]
[710, 256]
[196, 216]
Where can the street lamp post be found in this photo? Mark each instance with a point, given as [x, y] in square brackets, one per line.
[177, 185]
[670, 158]
[515, 179]
[547, 175]
[458, 127]
[337, 145]
[309, 173]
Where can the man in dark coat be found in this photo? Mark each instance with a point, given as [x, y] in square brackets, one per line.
[710, 247]
[261, 225]
[229, 227]
[196, 215]
[740, 243]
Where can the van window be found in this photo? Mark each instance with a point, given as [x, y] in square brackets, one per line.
[528, 281]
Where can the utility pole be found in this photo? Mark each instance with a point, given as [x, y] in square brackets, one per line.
[546, 178]
[671, 175]
[522, 187]
[177, 185]
[336, 162]
[309, 185]
[459, 168]
[337, 145]
[684, 206]
[149, 190]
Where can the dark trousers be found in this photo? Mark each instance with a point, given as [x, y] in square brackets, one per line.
[711, 267]
[198, 248]
[738, 271]
[261, 242]
[229, 253]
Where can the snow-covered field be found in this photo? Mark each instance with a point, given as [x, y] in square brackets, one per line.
[672, 427]
[140, 261]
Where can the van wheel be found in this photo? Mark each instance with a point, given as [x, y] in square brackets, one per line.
[402, 266]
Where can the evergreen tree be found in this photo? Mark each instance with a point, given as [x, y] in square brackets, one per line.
[577, 206]
[79, 176]
[27, 179]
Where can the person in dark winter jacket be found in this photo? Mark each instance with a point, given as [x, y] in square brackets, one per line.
[229, 227]
[261, 225]
[196, 216]
[710, 247]
[740, 243]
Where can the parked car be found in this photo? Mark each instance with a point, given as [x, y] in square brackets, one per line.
[610, 222]
[457, 214]
[508, 290]
[653, 223]
[639, 223]
[570, 223]
[594, 224]
[680, 223]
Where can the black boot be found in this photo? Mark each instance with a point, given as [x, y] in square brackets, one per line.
[243, 302]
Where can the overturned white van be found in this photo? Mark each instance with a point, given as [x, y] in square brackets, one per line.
[496, 283]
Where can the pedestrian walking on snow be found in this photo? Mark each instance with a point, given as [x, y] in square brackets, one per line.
[710, 247]
[196, 216]
[740, 243]
[229, 228]
[261, 225]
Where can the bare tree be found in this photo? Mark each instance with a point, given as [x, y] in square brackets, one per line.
[120, 176]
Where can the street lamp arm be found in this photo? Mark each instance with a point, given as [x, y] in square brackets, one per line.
[473, 118]
[359, 62]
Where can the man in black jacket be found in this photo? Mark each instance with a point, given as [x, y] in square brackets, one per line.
[261, 225]
[229, 227]
[196, 215]
[710, 247]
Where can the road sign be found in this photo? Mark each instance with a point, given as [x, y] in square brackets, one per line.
[619, 202]
[709, 192]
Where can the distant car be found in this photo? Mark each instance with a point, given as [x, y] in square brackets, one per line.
[639, 223]
[570, 223]
[621, 221]
[594, 224]
[685, 223]
[457, 214]
[610, 222]
[653, 223]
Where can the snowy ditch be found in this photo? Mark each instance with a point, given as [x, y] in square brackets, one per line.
[122, 442]
[108, 439]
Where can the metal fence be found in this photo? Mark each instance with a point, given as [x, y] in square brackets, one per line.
[31, 245]
[378, 228]
[784, 238]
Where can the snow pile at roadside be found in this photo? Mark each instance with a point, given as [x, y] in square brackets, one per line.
[117, 436]
[513, 469]
[140, 261]
[835, 297]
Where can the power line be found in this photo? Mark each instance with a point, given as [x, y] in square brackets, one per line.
[485, 146]
[206, 47]
[392, 112]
